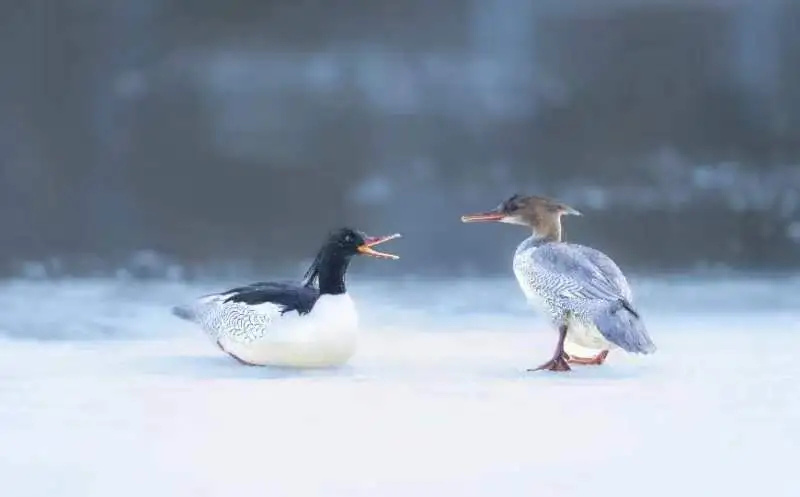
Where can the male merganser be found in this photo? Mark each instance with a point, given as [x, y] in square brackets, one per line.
[286, 324]
[583, 291]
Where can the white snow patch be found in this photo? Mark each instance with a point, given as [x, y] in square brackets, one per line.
[436, 405]
[714, 413]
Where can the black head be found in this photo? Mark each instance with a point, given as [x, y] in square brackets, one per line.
[342, 244]
[347, 241]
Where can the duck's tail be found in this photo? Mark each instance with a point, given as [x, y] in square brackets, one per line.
[184, 312]
[622, 325]
[196, 310]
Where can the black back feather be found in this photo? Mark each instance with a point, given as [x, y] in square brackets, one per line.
[288, 296]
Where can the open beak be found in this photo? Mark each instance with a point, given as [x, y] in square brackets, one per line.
[483, 217]
[370, 242]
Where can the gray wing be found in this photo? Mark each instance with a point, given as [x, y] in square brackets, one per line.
[611, 272]
[587, 282]
[573, 275]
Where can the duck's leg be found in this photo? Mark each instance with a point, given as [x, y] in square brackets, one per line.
[587, 361]
[558, 362]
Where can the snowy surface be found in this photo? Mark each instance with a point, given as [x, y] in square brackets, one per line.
[103, 393]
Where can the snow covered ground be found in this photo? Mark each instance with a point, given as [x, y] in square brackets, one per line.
[103, 393]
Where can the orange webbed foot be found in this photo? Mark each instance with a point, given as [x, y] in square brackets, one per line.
[587, 361]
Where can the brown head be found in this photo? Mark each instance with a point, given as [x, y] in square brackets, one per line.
[541, 214]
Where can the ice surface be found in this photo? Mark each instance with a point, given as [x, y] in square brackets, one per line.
[124, 400]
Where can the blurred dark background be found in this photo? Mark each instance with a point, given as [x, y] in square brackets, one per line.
[177, 137]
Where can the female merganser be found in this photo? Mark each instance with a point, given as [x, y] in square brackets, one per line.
[290, 325]
[583, 291]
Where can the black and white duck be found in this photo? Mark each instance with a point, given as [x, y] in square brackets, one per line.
[309, 324]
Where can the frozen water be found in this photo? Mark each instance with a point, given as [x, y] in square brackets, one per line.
[103, 393]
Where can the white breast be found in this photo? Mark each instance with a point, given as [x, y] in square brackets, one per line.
[520, 265]
[322, 338]
[524, 274]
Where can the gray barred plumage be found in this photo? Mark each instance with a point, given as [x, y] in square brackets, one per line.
[235, 321]
[572, 280]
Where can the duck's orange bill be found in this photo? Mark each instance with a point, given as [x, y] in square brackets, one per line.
[483, 217]
[370, 242]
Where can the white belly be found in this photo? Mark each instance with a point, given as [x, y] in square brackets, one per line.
[585, 335]
[325, 337]
[315, 354]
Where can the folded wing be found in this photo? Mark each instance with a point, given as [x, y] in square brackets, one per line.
[587, 282]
